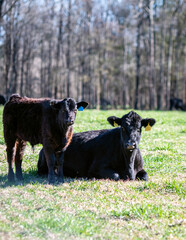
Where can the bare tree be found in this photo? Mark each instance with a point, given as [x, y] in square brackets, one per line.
[117, 54]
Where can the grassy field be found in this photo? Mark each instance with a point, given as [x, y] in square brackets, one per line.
[104, 209]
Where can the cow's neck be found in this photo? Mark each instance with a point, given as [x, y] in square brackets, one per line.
[69, 135]
[65, 139]
[128, 158]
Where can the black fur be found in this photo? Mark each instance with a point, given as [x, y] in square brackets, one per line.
[109, 153]
[2, 100]
[176, 103]
[44, 121]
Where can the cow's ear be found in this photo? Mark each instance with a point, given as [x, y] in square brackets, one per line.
[55, 104]
[148, 123]
[114, 121]
[82, 105]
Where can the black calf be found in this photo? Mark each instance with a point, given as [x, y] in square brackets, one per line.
[45, 121]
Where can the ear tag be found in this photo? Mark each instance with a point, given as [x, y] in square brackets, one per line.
[148, 127]
[81, 108]
[115, 124]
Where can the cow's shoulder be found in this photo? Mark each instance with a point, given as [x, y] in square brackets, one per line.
[97, 138]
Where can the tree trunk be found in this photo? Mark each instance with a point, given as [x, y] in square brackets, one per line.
[49, 69]
[152, 60]
[7, 58]
[1, 5]
[98, 87]
[58, 50]
[169, 66]
[22, 67]
[68, 55]
[125, 84]
[138, 55]
[162, 61]
[42, 77]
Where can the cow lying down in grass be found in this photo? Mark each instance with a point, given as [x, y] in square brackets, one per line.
[110, 153]
[44, 121]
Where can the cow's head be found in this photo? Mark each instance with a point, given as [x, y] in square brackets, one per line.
[179, 103]
[67, 109]
[131, 125]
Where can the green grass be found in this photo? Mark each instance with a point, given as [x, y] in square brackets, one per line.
[102, 209]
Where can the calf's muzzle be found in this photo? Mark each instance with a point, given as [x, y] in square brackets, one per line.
[70, 122]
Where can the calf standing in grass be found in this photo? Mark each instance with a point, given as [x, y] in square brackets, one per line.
[44, 121]
[112, 154]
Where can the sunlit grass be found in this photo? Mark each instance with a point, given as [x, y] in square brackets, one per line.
[102, 209]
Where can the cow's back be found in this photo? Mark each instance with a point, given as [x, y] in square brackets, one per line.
[24, 117]
[84, 148]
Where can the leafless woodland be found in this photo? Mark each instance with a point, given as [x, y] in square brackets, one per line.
[111, 53]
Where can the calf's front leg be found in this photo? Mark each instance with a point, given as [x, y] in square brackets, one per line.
[51, 160]
[60, 161]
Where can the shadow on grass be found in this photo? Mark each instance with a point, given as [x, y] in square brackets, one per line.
[31, 177]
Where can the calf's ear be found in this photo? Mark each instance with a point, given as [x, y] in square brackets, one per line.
[114, 121]
[55, 104]
[148, 123]
[81, 105]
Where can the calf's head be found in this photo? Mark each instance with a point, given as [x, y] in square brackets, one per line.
[66, 110]
[131, 125]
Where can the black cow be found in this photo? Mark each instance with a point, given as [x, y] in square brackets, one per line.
[177, 104]
[2, 100]
[44, 121]
[110, 153]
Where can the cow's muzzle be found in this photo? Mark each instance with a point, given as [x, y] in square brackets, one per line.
[70, 122]
[131, 146]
